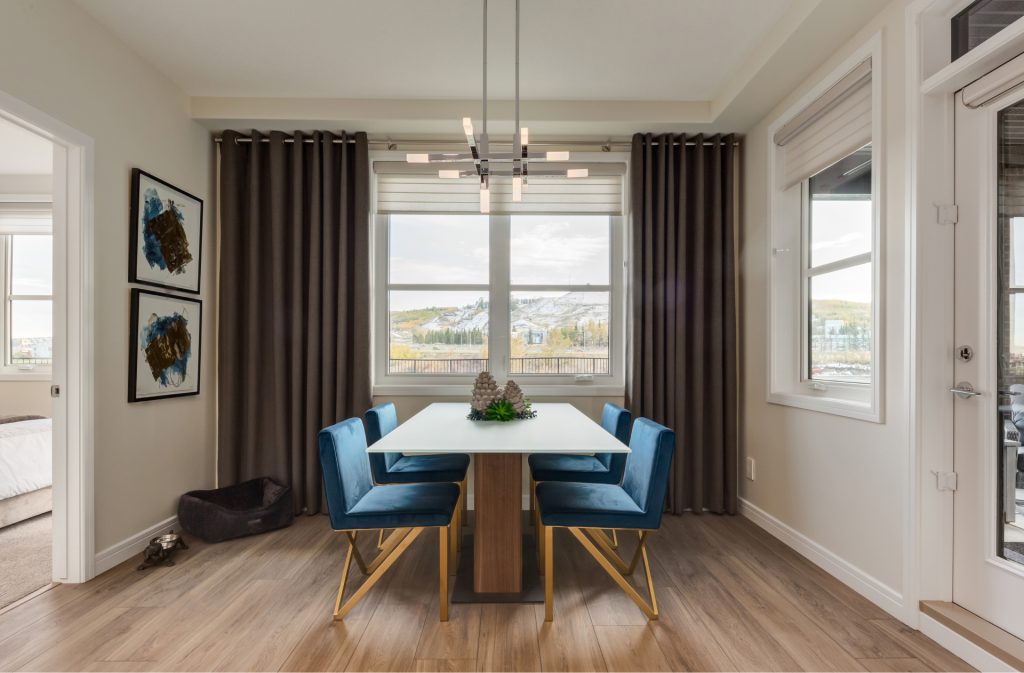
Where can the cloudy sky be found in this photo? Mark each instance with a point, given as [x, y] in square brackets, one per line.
[453, 249]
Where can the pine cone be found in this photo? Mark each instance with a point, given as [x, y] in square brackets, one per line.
[485, 391]
[514, 395]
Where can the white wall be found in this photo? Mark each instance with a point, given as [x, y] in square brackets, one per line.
[839, 482]
[55, 57]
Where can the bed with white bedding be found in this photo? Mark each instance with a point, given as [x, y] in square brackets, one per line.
[26, 468]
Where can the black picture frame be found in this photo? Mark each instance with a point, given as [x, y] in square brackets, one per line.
[138, 296]
[144, 275]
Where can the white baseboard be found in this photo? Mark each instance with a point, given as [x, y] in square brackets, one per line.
[129, 547]
[975, 656]
[867, 586]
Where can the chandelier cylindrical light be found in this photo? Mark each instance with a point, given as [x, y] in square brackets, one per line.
[514, 164]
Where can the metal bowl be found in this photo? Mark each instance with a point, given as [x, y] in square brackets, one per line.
[167, 541]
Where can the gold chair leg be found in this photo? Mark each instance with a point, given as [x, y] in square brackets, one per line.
[650, 610]
[393, 541]
[465, 501]
[650, 582]
[615, 539]
[443, 574]
[538, 536]
[380, 540]
[380, 566]
[641, 549]
[344, 572]
[605, 545]
[549, 572]
[354, 550]
[453, 545]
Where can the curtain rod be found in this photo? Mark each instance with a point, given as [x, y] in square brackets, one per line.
[389, 144]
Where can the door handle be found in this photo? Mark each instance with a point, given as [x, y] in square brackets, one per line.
[964, 390]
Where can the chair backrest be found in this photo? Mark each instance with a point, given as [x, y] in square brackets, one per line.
[380, 420]
[647, 470]
[616, 421]
[346, 470]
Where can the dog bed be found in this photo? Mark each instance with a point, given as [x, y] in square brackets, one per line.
[249, 508]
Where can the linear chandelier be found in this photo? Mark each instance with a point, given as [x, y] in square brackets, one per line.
[487, 164]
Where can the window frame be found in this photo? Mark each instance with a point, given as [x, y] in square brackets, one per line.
[11, 371]
[499, 291]
[809, 271]
[788, 264]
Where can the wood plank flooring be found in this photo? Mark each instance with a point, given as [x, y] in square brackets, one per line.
[731, 597]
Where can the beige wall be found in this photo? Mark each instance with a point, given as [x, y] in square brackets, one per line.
[838, 481]
[58, 59]
[18, 398]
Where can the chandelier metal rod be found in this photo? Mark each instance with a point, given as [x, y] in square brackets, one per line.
[485, 77]
[516, 129]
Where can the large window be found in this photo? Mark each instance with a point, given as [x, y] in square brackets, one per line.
[527, 296]
[26, 284]
[824, 253]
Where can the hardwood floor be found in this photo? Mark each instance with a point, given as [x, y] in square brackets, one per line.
[731, 598]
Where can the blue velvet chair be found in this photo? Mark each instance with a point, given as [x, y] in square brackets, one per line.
[355, 504]
[394, 468]
[586, 508]
[600, 468]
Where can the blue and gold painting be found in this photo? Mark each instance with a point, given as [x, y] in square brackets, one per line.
[166, 339]
[167, 232]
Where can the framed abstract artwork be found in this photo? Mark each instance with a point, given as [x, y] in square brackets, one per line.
[166, 234]
[166, 346]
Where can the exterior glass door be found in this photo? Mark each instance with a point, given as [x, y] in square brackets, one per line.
[988, 420]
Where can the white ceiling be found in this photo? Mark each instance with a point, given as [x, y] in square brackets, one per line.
[411, 68]
[23, 152]
[679, 50]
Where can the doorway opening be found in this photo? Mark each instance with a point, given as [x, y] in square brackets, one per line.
[26, 362]
[46, 364]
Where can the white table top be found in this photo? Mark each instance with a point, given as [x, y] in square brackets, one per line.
[444, 428]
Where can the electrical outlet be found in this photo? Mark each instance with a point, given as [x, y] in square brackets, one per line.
[750, 469]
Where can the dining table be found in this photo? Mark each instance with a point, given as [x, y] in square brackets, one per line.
[499, 543]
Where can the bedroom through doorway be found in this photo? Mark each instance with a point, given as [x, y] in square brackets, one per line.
[26, 362]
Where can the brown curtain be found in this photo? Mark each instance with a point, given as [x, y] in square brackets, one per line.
[294, 344]
[684, 309]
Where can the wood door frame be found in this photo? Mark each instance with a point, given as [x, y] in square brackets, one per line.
[73, 370]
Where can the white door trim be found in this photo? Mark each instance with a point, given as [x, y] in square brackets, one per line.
[928, 551]
[74, 536]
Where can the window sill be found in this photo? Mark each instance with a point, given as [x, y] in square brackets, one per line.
[531, 389]
[25, 375]
[827, 402]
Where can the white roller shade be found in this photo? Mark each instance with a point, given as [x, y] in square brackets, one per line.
[830, 128]
[412, 188]
[25, 218]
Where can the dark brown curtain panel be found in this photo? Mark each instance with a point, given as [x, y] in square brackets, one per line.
[683, 192]
[294, 343]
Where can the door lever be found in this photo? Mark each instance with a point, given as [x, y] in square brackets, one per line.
[964, 390]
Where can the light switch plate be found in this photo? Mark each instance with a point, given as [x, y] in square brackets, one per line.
[750, 469]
